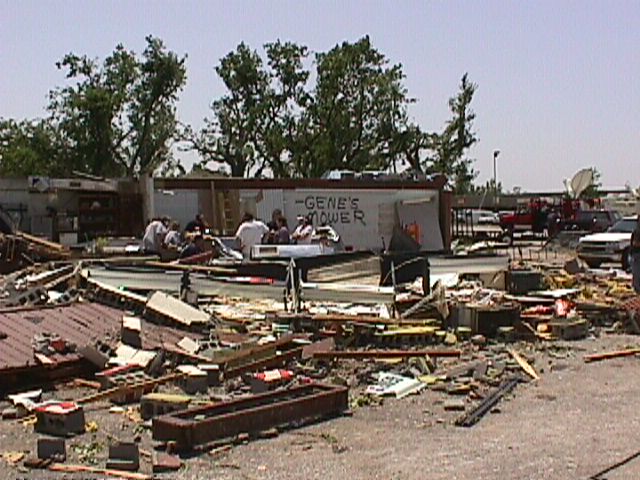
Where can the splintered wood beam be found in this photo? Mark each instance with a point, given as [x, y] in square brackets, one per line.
[596, 357]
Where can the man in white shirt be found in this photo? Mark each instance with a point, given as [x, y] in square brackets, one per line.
[173, 239]
[250, 233]
[154, 234]
[303, 232]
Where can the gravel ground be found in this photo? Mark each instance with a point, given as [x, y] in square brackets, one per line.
[576, 421]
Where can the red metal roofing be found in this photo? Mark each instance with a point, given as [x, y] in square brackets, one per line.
[79, 323]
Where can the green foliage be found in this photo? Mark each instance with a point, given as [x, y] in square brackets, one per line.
[593, 190]
[450, 146]
[359, 106]
[255, 125]
[119, 117]
[111, 119]
[29, 148]
[489, 188]
[270, 119]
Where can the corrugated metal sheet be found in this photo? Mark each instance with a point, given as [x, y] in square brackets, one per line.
[269, 200]
[181, 205]
[79, 323]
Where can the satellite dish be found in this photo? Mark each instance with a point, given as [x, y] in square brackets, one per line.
[633, 191]
[580, 182]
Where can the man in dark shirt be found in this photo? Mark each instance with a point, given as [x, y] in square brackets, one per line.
[195, 247]
[196, 224]
[635, 256]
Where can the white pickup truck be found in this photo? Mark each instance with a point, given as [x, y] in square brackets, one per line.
[610, 246]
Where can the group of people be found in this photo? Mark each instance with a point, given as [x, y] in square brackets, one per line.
[255, 232]
[163, 233]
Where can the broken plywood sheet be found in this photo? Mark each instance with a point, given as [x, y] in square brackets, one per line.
[126, 355]
[174, 309]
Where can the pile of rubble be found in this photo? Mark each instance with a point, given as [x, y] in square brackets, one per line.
[197, 358]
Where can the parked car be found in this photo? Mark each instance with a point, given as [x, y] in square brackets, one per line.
[610, 246]
[593, 220]
[477, 217]
[338, 174]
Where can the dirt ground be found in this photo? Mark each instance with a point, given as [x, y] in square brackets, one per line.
[576, 421]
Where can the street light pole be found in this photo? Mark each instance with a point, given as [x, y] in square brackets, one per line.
[495, 176]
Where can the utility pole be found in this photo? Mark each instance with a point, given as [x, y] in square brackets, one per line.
[495, 175]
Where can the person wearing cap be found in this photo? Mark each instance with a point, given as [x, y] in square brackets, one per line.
[154, 234]
[303, 232]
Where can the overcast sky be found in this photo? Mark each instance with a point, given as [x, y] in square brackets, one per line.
[558, 81]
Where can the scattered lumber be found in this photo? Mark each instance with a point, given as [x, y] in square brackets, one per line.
[596, 357]
[528, 369]
[59, 467]
[385, 353]
[123, 389]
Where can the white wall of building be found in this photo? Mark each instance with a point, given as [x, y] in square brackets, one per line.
[180, 205]
[363, 218]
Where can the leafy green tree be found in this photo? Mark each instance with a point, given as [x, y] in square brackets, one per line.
[281, 134]
[489, 188]
[270, 121]
[358, 108]
[119, 118]
[30, 148]
[593, 190]
[255, 125]
[449, 147]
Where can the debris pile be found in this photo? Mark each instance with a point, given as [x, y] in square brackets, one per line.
[195, 358]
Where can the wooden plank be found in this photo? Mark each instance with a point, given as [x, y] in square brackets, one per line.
[59, 467]
[43, 243]
[342, 318]
[190, 268]
[528, 369]
[356, 354]
[596, 357]
[175, 350]
[81, 382]
[128, 388]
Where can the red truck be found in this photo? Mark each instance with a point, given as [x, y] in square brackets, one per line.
[541, 214]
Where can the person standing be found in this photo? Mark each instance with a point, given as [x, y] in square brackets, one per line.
[282, 236]
[273, 224]
[154, 235]
[635, 256]
[303, 232]
[250, 233]
[272, 236]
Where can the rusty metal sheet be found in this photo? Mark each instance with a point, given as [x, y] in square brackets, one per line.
[77, 323]
[257, 413]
